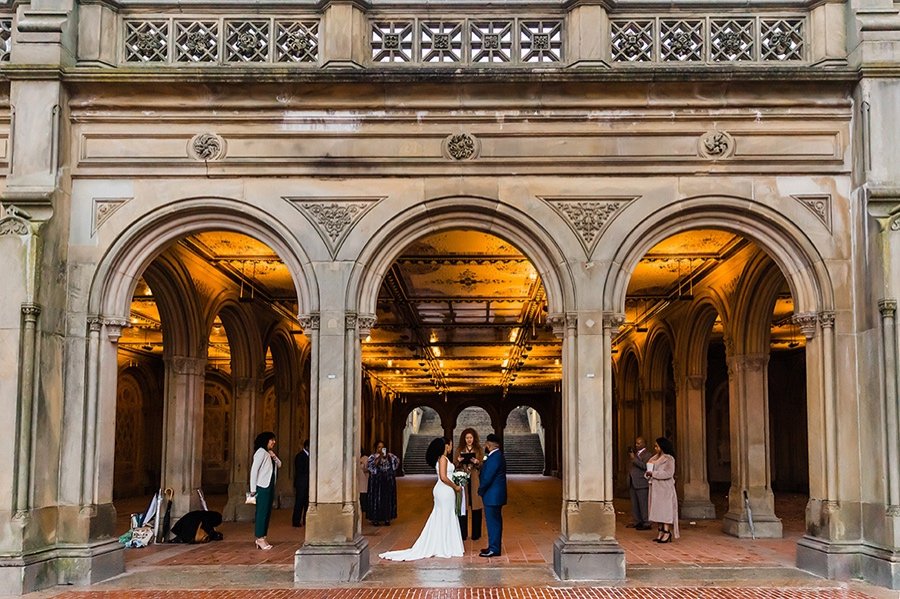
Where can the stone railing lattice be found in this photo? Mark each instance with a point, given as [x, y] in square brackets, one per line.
[708, 39]
[224, 40]
[466, 41]
[5, 38]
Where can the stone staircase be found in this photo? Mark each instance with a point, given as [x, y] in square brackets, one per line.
[414, 458]
[523, 454]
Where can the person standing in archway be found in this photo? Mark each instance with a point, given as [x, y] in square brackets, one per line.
[469, 456]
[301, 486]
[638, 485]
[663, 499]
[382, 467]
[492, 489]
[262, 484]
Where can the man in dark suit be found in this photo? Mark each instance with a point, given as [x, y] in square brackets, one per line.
[492, 489]
[301, 486]
[638, 485]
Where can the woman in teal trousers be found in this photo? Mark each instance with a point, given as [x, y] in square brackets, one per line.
[262, 484]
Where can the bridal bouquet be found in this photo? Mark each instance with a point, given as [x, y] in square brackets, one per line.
[462, 479]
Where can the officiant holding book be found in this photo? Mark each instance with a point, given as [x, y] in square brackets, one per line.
[468, 458]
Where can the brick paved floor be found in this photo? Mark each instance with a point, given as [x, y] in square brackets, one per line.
[703, 564]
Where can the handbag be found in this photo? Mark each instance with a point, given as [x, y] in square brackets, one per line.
[250, 499]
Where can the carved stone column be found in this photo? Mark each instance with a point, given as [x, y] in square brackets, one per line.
[750, 471]
[183, 431]
[691, 390]
[334, 550]
[888, 309]
[587, 548]
[247, 393]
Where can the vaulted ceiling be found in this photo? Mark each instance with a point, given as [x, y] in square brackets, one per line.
[458, 312]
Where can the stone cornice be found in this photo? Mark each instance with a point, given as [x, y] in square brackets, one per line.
[374, 75]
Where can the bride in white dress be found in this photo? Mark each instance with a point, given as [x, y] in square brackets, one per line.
[441, 536]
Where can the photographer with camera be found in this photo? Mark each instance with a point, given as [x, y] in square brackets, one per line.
[638, 486]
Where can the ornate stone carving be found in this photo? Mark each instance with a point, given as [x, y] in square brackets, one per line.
[827, 319]
[893, 511]
[887, 307]
[588, 217]
[114, 326]
[366, 322]
[333, 218]
[461, 146]
[807, 322]
[95, 323]
[613, 321]
[188, 365]
[350, 320]
[748, 363]
[716, 145]
[104, 208]
[558, 324]
[14, 222]
[308, 322]
[206, 147]
[895, 224]
[819, 205]
[31, 311]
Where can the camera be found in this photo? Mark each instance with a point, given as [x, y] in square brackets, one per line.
[384, 451]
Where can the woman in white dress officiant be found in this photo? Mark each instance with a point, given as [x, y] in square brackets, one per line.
[441, 536]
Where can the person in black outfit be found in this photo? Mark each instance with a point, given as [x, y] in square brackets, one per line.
[301, 486]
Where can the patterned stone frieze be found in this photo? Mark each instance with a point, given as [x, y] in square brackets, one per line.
[467, 41]
[220, 40]
[5, 38]
[708, 39]
[819, 205]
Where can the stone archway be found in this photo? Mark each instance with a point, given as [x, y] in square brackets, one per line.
[117, 272]
[811, 286]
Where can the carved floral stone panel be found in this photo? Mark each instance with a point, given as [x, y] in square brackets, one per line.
[588, 216]
[334, 217]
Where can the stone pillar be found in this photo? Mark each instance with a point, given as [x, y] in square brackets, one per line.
[587, 35]
[888, 309]
[587, 548]
[692, 467]
[183, 431]
[345, 35]
[247, 393]
[334, 549]
[748, 397]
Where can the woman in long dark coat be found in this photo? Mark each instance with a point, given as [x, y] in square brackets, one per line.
[382, 494]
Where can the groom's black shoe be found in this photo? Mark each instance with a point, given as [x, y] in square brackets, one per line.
[488, 553]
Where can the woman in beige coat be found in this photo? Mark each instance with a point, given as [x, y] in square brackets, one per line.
[468, 458]
[663, 500]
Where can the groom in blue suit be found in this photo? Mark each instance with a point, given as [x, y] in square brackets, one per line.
[492, 488]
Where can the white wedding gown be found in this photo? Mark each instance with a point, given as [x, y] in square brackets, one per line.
[441, 536]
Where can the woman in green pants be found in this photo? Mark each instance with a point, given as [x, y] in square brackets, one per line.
[262, 484]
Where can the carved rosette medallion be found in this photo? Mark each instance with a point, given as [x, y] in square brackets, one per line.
[588, 217]
[716, 145]
[333, 218]
[461, 146]
[206, 147]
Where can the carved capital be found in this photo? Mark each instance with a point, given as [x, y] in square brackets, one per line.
[14, 221]
[350, 320]
[308, 322]
[613, 321]
[695, 382]
[31, 311]
[558, 323]
[365, 322]
[187, 365]
[114, 327]
[807, 322]
[893, 511]
[95, 323]
[826, 319]
[747, 363]
[571, 320]
[887, 307]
